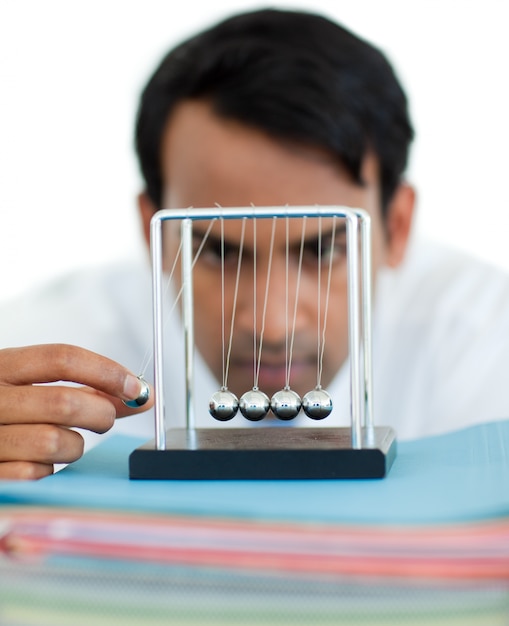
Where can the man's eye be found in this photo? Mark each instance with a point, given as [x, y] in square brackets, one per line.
[321, 252]
[212, 252]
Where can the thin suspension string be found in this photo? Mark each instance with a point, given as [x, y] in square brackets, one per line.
[149, 352]
[319, 302]
[223, 359]
[287, 254]
[321, 348]
[266, 298]
[147, 357]
[235, 294]
[255, 386]
[297, 290]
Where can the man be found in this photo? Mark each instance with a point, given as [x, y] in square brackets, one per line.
[269, 108]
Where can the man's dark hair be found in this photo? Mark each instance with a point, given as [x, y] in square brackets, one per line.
[294, 75]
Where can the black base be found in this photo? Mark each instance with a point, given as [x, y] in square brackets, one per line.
[264, 453]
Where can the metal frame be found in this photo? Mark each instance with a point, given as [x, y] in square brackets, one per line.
[359, 307]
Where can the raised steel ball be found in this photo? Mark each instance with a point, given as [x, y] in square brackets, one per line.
[223, 405]
[285, 404]
[254, 405]
[317, 404]
[142, 398]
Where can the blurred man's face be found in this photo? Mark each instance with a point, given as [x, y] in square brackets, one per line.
[210, 161]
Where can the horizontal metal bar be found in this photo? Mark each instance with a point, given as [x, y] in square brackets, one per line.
[257, 212]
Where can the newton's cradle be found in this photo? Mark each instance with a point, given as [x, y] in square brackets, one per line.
[361, 450]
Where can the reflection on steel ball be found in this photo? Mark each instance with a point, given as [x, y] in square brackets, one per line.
[142, 398]
[254, 405]
[223, 405]
[285, 404]
[317, 404]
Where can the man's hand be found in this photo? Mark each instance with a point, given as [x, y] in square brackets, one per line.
[36, 419]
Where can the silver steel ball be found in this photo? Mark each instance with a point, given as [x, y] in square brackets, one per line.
[317, 404]
[223, 405]
[254, 405]
[142, 398]
[285, 404]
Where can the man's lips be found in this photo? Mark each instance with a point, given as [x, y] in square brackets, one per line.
[273, 374]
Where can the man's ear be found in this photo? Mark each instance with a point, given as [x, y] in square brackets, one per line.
[147, 209]
[398, 223]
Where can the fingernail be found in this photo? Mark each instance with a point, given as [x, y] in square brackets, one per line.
[137, 390]
[132, 387]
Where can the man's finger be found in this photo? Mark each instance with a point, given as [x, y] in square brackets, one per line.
[56, 404]
[23, 470]
[39, 443]
[62, 362]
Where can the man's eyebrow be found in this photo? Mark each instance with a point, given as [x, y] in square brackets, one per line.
[214, 240]
[338, 231]
[198, 234]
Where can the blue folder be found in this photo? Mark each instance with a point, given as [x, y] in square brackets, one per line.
[457, 477]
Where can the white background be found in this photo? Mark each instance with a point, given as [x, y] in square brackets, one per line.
[71, 72]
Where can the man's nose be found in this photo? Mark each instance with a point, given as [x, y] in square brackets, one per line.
[274, 301]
